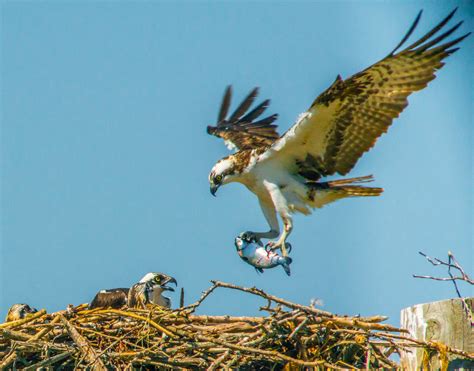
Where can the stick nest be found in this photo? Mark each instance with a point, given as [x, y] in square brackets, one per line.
[291, 336]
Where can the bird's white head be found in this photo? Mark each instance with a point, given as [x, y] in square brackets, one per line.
[224, 171]
[158, 279]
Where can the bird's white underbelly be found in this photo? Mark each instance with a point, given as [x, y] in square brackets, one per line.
[268, 176]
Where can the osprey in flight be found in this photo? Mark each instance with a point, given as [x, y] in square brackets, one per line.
[341, 125]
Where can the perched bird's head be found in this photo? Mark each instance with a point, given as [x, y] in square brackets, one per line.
[161, 280]
[19, 311]
[223, 172]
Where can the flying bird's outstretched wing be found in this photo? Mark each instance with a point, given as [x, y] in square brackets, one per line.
[240, 129]
[346, 120]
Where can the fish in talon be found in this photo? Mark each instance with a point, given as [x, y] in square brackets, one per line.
[271, 246]
[260, 257]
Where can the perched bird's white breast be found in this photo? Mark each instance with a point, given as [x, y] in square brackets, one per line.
[157, 298]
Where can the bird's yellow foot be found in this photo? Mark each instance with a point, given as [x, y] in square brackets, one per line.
[282, 245]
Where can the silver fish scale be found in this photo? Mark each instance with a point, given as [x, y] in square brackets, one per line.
[259, 257]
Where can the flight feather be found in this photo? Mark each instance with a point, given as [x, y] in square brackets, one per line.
[240, 129]
[346, 120]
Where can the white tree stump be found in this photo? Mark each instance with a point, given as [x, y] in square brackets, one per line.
[441, 321]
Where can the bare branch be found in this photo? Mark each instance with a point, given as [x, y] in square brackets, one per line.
[452, 263]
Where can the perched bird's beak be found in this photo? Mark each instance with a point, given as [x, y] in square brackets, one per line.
[167, 280]
[214, 188]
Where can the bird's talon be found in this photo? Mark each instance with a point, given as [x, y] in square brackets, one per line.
[274, 245]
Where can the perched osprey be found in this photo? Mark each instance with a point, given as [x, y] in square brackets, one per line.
[341, 125]
[148, 290]
[19, 311]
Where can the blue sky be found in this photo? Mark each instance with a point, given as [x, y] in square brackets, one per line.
[105, 156]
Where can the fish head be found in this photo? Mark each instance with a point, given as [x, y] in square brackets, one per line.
[240, 243]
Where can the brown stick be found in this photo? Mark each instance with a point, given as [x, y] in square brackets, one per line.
[22, 321]
[181, 298]
[261, 293]
[191, 308]
[49, 361]
[226, 319]
[83, 344]
[268, 353]
[132, 315]
[14, 335]
[44, 331]
[218, 361]
[8, 360]
[298, 328]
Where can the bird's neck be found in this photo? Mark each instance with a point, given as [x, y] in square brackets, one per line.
[157, 298]
[245, 178]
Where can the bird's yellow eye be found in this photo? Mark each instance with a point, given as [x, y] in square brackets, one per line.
[157, 279]
[218, 178]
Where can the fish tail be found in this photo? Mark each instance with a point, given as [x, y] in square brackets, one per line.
[286, 264]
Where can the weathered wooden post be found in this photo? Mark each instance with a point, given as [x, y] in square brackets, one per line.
[444, 322]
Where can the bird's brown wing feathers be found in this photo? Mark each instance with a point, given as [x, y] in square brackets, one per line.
[240, 129]
[113, 298]
[346, 120]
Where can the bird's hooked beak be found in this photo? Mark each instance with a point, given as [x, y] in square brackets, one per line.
[167, 280]
[214, 188]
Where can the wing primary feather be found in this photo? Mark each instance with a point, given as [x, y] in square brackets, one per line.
[244, 106]
[408, 34]
[240, 131]
[451, 51]
[256, 112]
[436, 40]
[267, 120]
[433, 31]
[261, 126]
[225, 104]
[448, 44]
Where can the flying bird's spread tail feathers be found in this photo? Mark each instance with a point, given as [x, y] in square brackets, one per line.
[320, 194]
[349, 187]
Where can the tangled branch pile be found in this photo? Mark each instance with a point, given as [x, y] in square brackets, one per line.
[291, 335]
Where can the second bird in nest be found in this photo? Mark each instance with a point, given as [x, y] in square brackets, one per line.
[148, 290]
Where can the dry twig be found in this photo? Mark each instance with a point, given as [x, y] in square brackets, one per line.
[453, 264]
